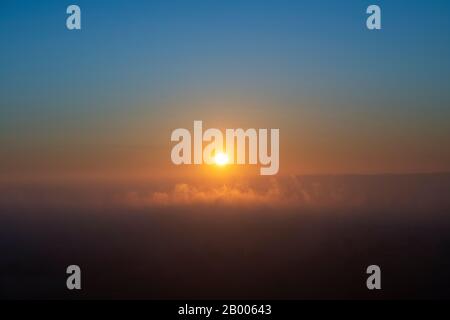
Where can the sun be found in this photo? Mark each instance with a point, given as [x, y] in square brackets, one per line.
[221, 159]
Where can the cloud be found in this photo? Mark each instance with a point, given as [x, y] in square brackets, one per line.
[428, 192]
[399, 192]
[183, 194]
[274, 192]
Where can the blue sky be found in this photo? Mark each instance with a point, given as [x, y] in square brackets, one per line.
[157, 46]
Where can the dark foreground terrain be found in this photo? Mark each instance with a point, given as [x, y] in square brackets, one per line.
[221, 252]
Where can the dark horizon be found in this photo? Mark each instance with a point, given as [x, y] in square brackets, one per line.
[214, 251]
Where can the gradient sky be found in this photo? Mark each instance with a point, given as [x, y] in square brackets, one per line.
[104, 100]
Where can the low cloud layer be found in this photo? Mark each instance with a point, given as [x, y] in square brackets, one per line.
[412, 191]
[183, 194]
[418, 192]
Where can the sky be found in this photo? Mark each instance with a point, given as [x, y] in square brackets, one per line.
[103, 101]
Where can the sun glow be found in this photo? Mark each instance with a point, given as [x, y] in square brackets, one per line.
[221, 159]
